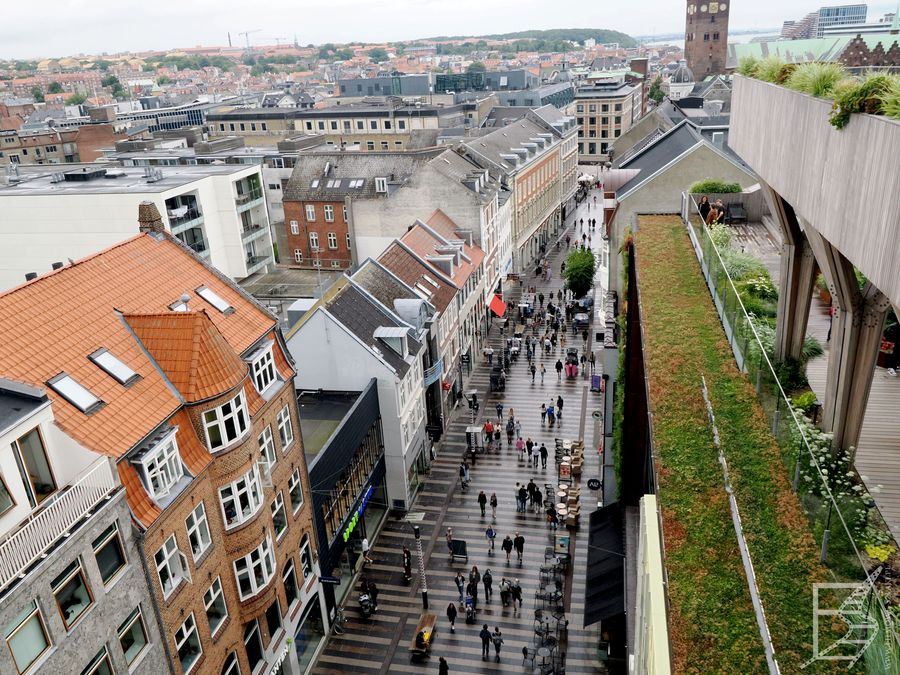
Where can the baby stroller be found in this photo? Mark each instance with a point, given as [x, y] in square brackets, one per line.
[470, 609]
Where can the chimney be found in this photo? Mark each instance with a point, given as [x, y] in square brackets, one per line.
[57, 265]
[30, 276]
[149, 219]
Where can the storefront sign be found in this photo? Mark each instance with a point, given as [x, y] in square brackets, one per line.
[333, 581]
[356, 516]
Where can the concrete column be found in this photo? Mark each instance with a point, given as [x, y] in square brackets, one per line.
[855, 340]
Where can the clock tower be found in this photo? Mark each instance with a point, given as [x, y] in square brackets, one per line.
[706, 37]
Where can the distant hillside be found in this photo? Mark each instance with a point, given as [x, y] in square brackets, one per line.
[554, 34]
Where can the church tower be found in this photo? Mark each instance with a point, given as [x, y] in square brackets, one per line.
[706, 37]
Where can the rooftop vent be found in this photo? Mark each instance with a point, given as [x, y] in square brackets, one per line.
[57, 265]
[84, 175]
[30, 276]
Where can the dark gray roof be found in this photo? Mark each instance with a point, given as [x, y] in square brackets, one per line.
[384, 286]
[17, 401]
[659, 153]
[361, 314]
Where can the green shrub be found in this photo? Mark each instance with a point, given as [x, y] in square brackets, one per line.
[890, 100]
[786, 71]
[804, 402]
[769, 68]
[816, 79]
[761, 286]
[720, 235]
[741, 265]
[792, 374]
[855, 96]
[714, 186]
[747, 66]
[820, 282]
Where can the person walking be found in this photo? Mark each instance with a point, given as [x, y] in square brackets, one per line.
[449, 538]
[507, 546]
[534, 457]
[443, 668]
[520, 447]
[529, 444]
[500, 412]
[490, 534]
[482, 502]
[472, 594]
[460, 586]
[493, 503]
[519, 544]
[543, 408]
[516, 494]
[485, 636]
[551, 415]
[510, 431]
[488, 580]
[497, 639]
[592, 361]
[373, 591]
[559, 407]
[543, 372]
[552, 519]
[523, 497]
[559, 369]
[515, 590]
[451, 616]
[504, 592]
[538, 500]
[543, 453]
[533, 370]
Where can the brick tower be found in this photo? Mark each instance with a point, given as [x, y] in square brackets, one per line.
[706, 37]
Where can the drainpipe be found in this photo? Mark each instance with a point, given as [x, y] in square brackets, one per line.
[139, 539]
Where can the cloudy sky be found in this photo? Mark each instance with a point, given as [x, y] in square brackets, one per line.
[61, 27]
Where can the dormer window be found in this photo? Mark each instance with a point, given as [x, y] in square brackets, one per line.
[76, 394]
[381, 185]
[162, 466]
[114, 367]
[214, 299]
[262, 365]
[225, 424]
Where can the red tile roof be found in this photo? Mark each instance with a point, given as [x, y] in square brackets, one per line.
[423, 243]
[410, 269]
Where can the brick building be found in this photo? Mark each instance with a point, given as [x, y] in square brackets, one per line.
[318, 231]
[706, 37]
[169, 368]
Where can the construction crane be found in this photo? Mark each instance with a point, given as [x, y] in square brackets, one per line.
[247, 34]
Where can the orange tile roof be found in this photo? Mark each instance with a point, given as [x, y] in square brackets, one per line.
[51, 325]
[424, 243]
[191, 352]
[142, 507]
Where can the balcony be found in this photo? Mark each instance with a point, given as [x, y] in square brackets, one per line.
[252, 233]
[53, 521]
[256, 262]
[184, 221]
[248, 200]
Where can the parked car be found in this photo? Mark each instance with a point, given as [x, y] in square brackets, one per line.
[581, 320]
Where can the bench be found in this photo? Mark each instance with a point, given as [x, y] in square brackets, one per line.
[426, 624]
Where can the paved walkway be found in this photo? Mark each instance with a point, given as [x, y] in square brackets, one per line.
[379, 645]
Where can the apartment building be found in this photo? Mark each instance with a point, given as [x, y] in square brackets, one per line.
[605, 110]
[73, 594]
[65, 146]
[180, 379]
[218, 211]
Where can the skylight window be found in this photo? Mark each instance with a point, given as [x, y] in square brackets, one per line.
[314, 184]
[64, 385]
[360, 182]
[430, 280]
[113, 366]
[214, 299]
[179, 306]
[424, 290]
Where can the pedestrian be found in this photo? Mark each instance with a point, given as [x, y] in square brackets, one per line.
[443, 668]
[488, 580]
[552, 518]
[541, 300]
[493, 510]
[559, 407]
[543, 405]
[485, 636]
[559, 369]
[365, 551]
[507, 546]
[490, 534]
[704, 207]
[504, 592]
[543, 453]
[518, 426]
[519, 544]
[568, 240]
[460, 585]
[584, 337]
[530, 445]
[533, 371]
[516, 592]
[534, 458]
[520, 446]
[592, 360]
[581, 223]
[500, 412]
[518, 503]
[489, 353]
[497, 639]
[510, 432]
[475, 578]
[482, 502]
[472, 594]
[551, 415]
[543, 372]
[449, 538]
[523, 497]
[373, 591]
[538, 500]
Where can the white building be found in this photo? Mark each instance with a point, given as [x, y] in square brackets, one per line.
[218, 211]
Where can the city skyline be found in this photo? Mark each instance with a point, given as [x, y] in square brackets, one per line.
[69, 27]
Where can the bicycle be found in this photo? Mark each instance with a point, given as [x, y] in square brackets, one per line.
[340, 620]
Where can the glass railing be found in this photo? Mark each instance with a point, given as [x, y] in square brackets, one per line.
[252, 195]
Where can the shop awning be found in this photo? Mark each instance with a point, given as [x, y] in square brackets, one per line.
[605, 578]
[497, 305]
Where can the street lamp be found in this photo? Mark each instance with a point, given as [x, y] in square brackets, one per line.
[418, 535]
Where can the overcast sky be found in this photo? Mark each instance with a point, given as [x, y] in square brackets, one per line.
[63, 27]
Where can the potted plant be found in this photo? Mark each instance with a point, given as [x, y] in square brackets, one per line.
[886, 354]
[822, 286]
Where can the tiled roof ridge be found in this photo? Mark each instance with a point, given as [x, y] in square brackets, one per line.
[427, 264]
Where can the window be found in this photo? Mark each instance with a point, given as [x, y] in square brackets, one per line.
[133, 636]
[347, 125]
[348, 240]
[113, 366]
[309, 126]
[385, 145]
[360, 125]
[263, 367]
[221, 127]
[314, 241]
[75, 393]
[321, 126]
[255, 570]
[291, 590]
[267, 446]
[243, 128]
[34, 467]
[332, 240]
[373, 124]
[6, 499]
[253, 126]
[329, 213]
[715, 35]
[279, 519]
[265, 126]
[171, 566]
[381, 185]
[231, 665]
[295, 491]
[162, 467]
[298, 255]
[706, 37]
[295, 227]
[285, 427]
[225, 424]
[72, 594]
[242, 498]
[109, 553]
[334, 125]
[26, 636]
[310, 212]
[214, 602]
[253, 644]
[305, 558]
[99, 665]
[188, 644]
[401, 124]
[370, 145]
[344, 211]
[215, 300]
[273, 618]
[198, 531]
[387, 124]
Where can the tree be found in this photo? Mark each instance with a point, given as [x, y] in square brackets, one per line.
[37, 94]
[579, 275]
[476, 67]
[54, 88]
[378, 55]
[76, 99]
[656, 90]
[103, 64]
[162, 79]
[109, 81]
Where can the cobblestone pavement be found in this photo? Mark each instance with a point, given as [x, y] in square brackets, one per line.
[380, 644]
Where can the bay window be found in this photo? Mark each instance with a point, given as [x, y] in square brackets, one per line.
[241, 499]
[227, 423]
[255, 570]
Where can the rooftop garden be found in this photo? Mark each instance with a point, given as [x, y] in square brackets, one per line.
[874, 92]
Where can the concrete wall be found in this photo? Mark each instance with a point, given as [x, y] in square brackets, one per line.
[845, 183]
[97, 627]
[651, 648]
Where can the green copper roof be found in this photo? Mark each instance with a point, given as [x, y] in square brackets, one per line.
[800, 51]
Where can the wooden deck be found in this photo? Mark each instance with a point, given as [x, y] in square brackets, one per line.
[878, 454]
